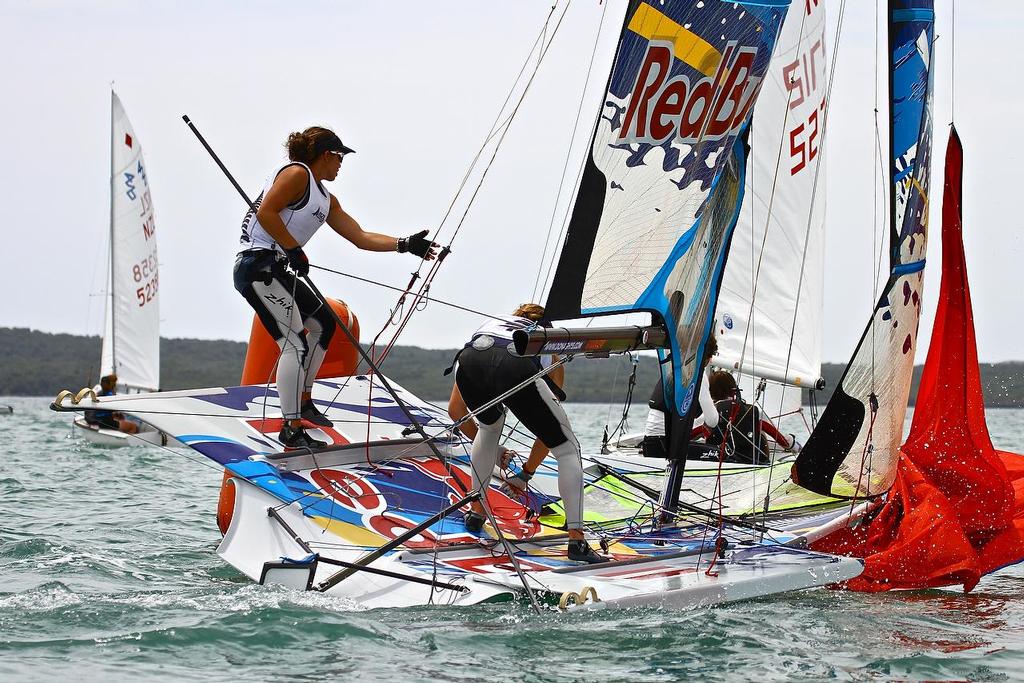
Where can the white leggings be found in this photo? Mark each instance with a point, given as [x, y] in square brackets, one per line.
[484, 455]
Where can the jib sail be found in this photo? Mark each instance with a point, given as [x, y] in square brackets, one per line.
[663, 179]
[855, 446]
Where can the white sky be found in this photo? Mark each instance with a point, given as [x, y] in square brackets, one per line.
[414, 86]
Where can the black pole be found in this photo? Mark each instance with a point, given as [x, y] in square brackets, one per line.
[338, 577]
[202, 140]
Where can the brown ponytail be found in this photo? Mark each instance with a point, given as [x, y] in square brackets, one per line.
[309, 144]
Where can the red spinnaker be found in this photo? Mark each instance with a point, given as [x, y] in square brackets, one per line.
[956, 510]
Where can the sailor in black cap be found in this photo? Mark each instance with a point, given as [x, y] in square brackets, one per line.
[289, 211]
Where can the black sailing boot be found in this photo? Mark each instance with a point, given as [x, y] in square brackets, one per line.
[311, 413]
[580, 551]
[474, 522]
[296, 437]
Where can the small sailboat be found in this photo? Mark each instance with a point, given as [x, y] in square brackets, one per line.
[131, 336]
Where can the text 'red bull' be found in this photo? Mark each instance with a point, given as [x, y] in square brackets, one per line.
[661, 108]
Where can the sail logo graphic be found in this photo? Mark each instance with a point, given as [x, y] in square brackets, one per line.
[662, 108]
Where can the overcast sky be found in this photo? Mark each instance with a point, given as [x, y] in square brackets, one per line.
[414, 87]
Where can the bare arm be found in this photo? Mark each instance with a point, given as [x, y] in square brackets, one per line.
[539, 451]
[289, 186]
[457, 410]
[349, 228]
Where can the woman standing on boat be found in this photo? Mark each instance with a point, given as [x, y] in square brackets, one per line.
[487, 370]
[289, 211]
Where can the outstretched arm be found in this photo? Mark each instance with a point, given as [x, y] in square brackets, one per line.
[779, 438]
[349, 228]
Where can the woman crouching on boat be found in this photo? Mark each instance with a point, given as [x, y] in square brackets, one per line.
[289, 211]
[487, 369]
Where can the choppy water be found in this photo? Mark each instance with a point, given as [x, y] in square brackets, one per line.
[108, 571]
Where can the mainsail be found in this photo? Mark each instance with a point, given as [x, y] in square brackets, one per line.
[854, 448]
[769, 309]
[131, 339]
[663, 180]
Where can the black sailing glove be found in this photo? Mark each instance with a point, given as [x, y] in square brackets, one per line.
[298, 261]
[417, 244]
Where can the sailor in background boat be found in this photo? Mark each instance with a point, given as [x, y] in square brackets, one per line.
[655, 443]
[487, 369]
[289, 211]
[743, 429]
[108, 419]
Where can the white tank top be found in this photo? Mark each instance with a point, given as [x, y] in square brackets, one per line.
[302, 218]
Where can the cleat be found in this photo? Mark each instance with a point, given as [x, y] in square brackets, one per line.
[310, 413]
[579, 551]
[474, 522]
[296, 437]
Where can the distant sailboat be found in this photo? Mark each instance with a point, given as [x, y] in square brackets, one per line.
[131, 336]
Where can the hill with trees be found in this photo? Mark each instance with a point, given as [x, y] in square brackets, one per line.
[36, 363]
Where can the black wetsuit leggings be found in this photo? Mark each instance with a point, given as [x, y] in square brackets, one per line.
[295, 317]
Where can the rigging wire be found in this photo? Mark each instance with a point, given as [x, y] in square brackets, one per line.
[428, 279]
[756, 270]
[568, 153]
[814, 187]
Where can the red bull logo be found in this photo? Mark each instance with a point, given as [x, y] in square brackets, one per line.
[661, 108]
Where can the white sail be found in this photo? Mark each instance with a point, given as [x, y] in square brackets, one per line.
[772, 290]
[131, 339]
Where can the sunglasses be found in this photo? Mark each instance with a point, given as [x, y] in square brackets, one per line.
[340, 155]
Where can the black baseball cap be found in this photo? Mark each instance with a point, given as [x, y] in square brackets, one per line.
[331, 143]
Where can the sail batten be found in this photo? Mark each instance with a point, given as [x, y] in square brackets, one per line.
[663, 180]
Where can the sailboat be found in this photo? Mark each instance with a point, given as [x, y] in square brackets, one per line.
[377, 516]
[131, 336]
[768, 318]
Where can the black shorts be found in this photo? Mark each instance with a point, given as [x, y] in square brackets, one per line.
[279, 288]
[484, 375]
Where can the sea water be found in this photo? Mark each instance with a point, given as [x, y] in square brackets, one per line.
[108, 572]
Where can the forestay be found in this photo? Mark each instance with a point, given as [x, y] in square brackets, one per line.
[663, 179]
[769, 309]
[854, 448]
[131, 339]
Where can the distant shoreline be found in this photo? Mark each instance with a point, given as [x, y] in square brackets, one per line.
[34, 363]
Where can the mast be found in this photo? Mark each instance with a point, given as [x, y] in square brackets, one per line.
[110, 270]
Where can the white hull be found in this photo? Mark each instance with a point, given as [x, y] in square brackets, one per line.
[265, 551]
[112, 438]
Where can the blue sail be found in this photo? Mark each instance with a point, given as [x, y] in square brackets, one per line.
[663, 181]
[854, 448]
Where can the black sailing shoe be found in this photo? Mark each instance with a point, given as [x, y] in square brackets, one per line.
[311, 413]
[474, 522]
[296, 437]
[579, 551]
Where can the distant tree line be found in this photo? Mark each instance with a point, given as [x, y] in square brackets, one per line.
[41, 364]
